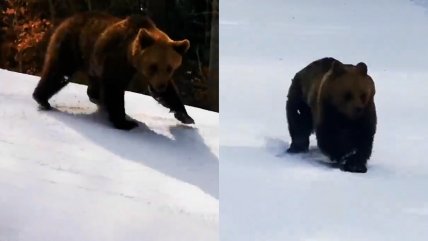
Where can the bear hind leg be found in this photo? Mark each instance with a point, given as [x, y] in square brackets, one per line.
[58, 67]
[93, 90]
[50, 83]
[299, 125]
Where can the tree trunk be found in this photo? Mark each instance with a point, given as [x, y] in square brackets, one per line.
[89, 4]
[213, 78]
[72, 5]
[52, 10]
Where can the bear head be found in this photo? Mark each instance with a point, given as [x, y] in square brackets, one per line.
[348, 88]
[157, 57]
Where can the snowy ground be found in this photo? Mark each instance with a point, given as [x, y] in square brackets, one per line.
[267, 195]
[67, 175]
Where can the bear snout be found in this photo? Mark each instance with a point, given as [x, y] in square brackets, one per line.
[162, 87]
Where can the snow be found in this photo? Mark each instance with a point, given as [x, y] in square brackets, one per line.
[267, 195]
[68, 175]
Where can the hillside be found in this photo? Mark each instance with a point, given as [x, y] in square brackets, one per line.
[67, 175]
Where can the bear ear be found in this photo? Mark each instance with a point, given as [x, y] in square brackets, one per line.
[362, 68]
[337, 68]
[145, 38]
[181, 46]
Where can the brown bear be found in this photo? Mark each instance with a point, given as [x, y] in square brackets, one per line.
[336, 101]
[111, 51]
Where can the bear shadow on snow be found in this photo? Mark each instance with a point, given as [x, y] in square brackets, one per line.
[142, 145]
[313, 156]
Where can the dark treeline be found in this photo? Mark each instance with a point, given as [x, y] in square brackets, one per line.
[26, 25]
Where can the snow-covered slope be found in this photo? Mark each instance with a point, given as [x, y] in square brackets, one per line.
[267, 195]
[68, 175]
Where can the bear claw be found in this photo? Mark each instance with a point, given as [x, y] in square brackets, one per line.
[125, 125]
[184, 118]
[296, 149]
[354, 168]
[43, 104]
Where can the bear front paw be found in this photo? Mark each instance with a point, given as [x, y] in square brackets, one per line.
[125, 124]
[352, 167]
[297, 148]
[43, 103]
[184, 118]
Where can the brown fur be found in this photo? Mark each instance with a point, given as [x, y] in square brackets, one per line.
[329, 95]
[320, 86]
[111, 51]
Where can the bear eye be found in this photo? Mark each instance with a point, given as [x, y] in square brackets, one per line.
[348, 96]
[153, 68]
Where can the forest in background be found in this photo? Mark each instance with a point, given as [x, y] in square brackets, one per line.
[26, 25]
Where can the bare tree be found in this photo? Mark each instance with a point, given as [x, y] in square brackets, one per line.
[52, 10]
[89, 4]
[213, 78]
